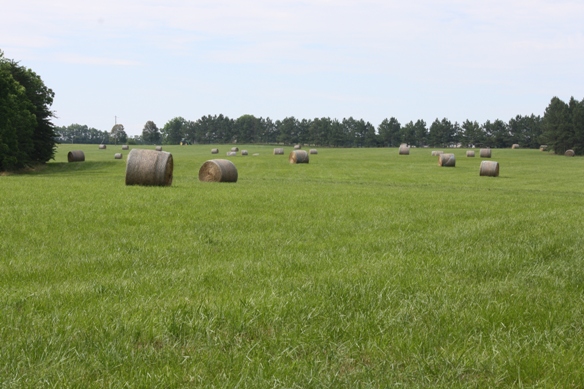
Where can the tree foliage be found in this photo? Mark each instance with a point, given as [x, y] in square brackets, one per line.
[27, 135]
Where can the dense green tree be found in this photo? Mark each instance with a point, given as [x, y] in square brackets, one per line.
[442, 133]
[577, 116]
[408, 133]
[389, 133]
[118, 134]
[247, 129]
[287, 130]
[27, 135]
[174, 131]
[526, 130]
[471, 134]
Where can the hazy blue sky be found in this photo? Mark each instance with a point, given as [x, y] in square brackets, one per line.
[154, 60]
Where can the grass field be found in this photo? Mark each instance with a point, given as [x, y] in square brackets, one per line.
[361, 269]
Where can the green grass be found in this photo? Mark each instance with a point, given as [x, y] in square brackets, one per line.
[361, 269]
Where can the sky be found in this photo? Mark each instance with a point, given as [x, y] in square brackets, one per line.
[131, 61]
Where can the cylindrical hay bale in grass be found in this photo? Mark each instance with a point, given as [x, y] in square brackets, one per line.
[489, 168]
[278, 151]
[236, 149]
[313, 151]
[231, 154]
[543, 148]
[102, 147]
[218, 170]
[75, 156]
[447, 160]
[125, 147]
[470, 153]
[485, 153]
[298, 156]
[158, 148]
[404, 150]
[214, 151]
[297, 147]
[243, 152]
[569, 153]
[118, 156]
[515, 146]
[149, 167]
[436, 153]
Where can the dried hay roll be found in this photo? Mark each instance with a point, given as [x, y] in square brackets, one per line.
[243, 152]
[218, 170]
[404, 150]
[118, 156]
[298, 156]
[149, 167]
[485, 153]
[313, 151]
[158, 148]
[515, 146]
[297, 147]
[543, 148]
[231, 154]
[255, 154]
[214, 151]
[102, 147]
[278, 151]
[436, 153]
[75, 156]
[235, 149]
[489, 168]
[447, 160]
[125, 147]
[569, 153]
[470, 153]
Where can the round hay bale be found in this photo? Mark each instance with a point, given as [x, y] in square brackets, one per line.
[255, 154]
[218, 170]
[214, 151]
[447, 160]
[470, 153]
[313, 151]
[243, 152]
[404, 150]
[235, 149]
[118, 156]
[489, 168]
[298, 156]
[297, 147]
[569, 153]
[75, 156]
[485, 153]
[149, 167]
[278, 151]
[231, 154]
[543, 148]
[515, 146]
[436, 153]
[158, 148]
[102, 147]
[125, 147]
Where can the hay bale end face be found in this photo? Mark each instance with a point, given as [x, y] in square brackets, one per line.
[404, 150]
[515, 146]
[298, 156]
[125, 147]
[149, 168]
[489, 169]
[470, 154]
[75, 156]
[102, 147]
[278, 151]
[236, 149]
[447, 160]
[313, 151]
[436, 153]
[218, 170]
[569, 153]
[244, 152]
[214, 151]
[118, 156]
[485, 153]
[297, 147]
[158, 148]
